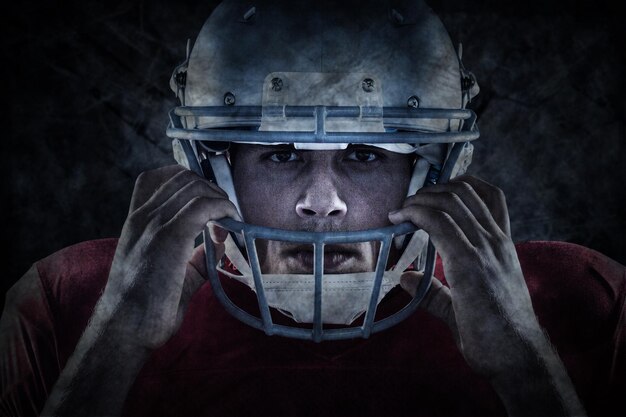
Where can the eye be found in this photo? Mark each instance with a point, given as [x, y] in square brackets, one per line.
[283, 156]
[362, 155]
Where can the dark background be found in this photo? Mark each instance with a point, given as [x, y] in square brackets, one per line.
[86, 92]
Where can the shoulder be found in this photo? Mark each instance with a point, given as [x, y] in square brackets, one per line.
[73, 280]
[568, 268]
[568, 257]
[71, 275]
[69, 270]
[577, 293]
[79, 259]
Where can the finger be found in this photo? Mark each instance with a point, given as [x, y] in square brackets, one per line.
[194, 279]
[494, 198]
[193, 216]
[218, 234]
[445, 234]
[437, 301]
[196, 188]
[470, 199]
[451, 204]
[174, 240]
[173, 185]
[149, 181]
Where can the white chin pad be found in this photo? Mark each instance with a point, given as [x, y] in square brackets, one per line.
[344, 296]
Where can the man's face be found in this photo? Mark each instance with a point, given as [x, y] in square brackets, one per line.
[336, 190]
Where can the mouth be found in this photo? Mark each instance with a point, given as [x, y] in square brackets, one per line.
[337, 258]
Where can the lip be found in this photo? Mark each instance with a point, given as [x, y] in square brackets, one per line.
[336, 257]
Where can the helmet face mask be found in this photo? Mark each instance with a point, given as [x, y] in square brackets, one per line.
[332, 85]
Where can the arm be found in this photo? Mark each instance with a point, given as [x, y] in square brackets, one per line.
[146, 294]
[488, 306]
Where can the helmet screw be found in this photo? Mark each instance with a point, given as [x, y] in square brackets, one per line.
[247, 16]
[397, 17]
[368, 85]
[181, 79]
[277, 84]
[467, 82]
[229, 99]
[413, 101]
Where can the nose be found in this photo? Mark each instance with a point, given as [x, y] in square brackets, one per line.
[321, 200]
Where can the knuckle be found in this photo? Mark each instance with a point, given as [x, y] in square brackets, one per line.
[224, 205]
[155, 221]
[135, 218]
[412, 211]
[197, 183]
[409, 201]
[193, 187]
[463, 177]
[499, 194]
[454, 197]
[442, 216]
[499, 239]
[495, 198]
[492, 190]
[187, 173]
[217, 188]
[208, 203]
[198, 202]
[464, 186]
[141, 179]
[184, 177]
[159, 238]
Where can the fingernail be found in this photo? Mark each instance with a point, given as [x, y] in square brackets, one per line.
[394, 215]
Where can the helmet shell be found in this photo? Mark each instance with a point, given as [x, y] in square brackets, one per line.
[403, 45]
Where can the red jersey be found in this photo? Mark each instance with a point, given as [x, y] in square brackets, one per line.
[216, 365]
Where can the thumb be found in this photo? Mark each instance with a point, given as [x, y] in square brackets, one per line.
[195, 277]
[437, 301]
[218, 235]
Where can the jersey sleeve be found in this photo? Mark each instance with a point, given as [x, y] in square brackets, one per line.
[45, 314]
[579, 297]
[618, 368]
[29, 364]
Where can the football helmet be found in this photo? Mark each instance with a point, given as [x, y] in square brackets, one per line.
[322, 75]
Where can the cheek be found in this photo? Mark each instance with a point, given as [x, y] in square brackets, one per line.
[263, 200]
[370, 198]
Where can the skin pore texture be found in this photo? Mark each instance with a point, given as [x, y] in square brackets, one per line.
[319, 191]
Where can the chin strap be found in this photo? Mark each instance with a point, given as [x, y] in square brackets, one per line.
[223, 177]
[469, 85]
[344, 296]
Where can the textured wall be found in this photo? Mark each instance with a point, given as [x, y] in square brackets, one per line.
[86, 85]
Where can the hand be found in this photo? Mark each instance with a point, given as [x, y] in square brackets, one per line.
[487, 306]
[147, 292]
[149, 288]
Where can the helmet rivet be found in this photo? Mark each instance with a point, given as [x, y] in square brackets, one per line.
[229, 99]
[247, 16]
[277, 84]
[467, 82]
[413, 101]
[181, 79]
[368, 85]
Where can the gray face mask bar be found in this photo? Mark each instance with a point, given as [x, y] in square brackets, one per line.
[250, 233]
[384, 235]
[251, 116]
[229, 116]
